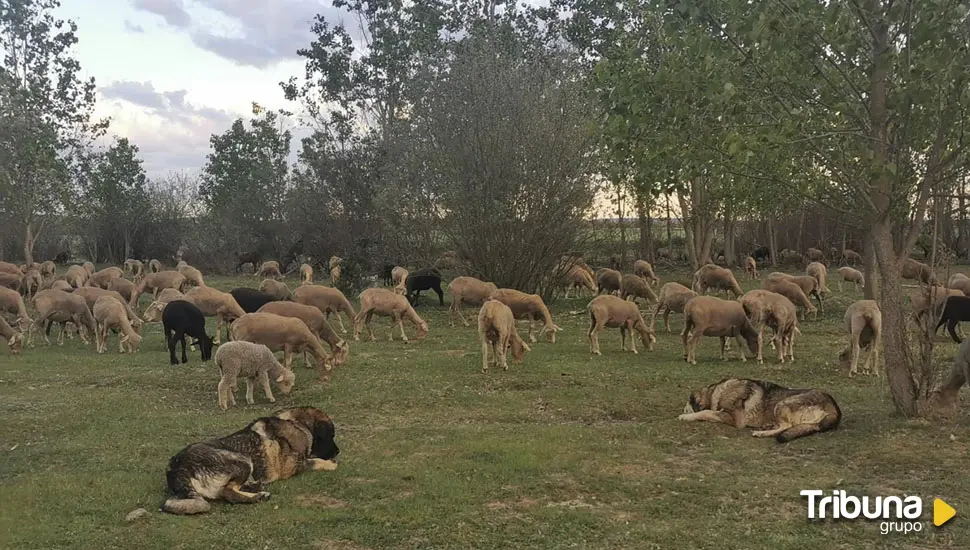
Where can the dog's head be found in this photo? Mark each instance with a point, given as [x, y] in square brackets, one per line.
[699, 400]
[320, 426]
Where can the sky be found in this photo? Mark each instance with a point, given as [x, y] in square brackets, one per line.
[170, 73]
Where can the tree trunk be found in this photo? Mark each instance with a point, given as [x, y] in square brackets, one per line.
[962, 229]
[643, 223]
[729, 255]
[619, 216]
[871, 290]
[651, 253]
[801, 230]
[772, 241]
[670, 238]
[29, 244]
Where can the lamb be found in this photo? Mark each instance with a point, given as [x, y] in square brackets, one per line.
[154, 266]
[334, 266]
[314, 319]
[212, 302]
[156, 282]
[253, 362]
[270, 269]
[62, 307]
[122, 286]
[251, 299]
[863, 322]
[607, 280]
[673, 297]
[766, 309]
[398, 276]
[751, 268]
[48, 269]
[424, 279]
[306, 274]
[12, 302]
[136, 268]
[818, 271]
[101, 278]
[633, 287]
[385, 303]
[851, 275]
[467, 290]
[154, 310]
[496, 328]
[92, 294]
[192, 275]
[793, 292]
[712, 316]
[277, 289]
[109, 312]
[76, 276]
[815, 255]
[807, 283]
[955, 310]
[577, 277]
[286, 334]
[851, 257]
[911, 269]
[89, 267]
[642, 268]
[327, 300]
[610, 311]
[528, 306]
[14, 338]
[181, 318]
[716, 277]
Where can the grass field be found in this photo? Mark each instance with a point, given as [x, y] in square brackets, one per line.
[563, 451]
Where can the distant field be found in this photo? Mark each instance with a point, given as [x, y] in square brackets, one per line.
[563, 451]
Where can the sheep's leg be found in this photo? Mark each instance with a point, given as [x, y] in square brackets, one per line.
[855, 355]
[503, 347]
[341, 322]
[485, 346]
[633, 340]
[287, 357]
[370, 329]
[223, 392]
[532, 337]
[951, 326]
[595, 326]
[741, 345]
[840, 286]
[185, 358]
[723, 351]
[667, 320]
[695, 340]
[218, 339]
[267, 391]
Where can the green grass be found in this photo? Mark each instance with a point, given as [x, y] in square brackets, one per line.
[564, 450]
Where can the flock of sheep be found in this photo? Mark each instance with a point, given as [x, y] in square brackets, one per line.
[275, 318]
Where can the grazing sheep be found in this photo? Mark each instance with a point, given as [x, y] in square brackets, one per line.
[911, 269]
[423, 279]
[385, 303]
[76, 276]
[955, 310]
[642, 268]
[277, 289]
[531, 307]
[13, 269]
[12, 281]
[496, 328]
[156, 282]
[109, 312]
[851, 275]
[92, 294]
[790, 257]
[154, 310]
[136, 268]
[793, 292]
[766, 309]
[32, 281]
[154, 266]
[467, 290]
[577, 277]
[314, 319]
[610, 311]
[89, 267]
[62, 307]
[851, 257]
[820, 273]
[181, 318]
[212, 302]
[180, 265]
[122, 286]
[48, 270]
[328, 300]
[398, 277]
[253, 362]
[807, 283]
[100, 279]
[251, 299]
[270, 269]
[716, 277]
[14, 338]
[634, 286]
[287, 334]
[306, 274]
[192, 275]
[61, 284]
[12, 302]
[673, 297]
[712, 316]
[921, 301]
[334, 266]
[815, 255]
[751, 267]
[863, 322]
[607, 280]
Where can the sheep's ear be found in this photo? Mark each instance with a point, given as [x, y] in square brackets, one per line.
[281, 377]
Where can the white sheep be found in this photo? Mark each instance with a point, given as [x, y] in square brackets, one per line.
[306, 274]
[110, 312]
[496, 328]
[252, 362]
[467, 290]
[385, 303]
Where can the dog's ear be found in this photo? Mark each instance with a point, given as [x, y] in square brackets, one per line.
[323, 444]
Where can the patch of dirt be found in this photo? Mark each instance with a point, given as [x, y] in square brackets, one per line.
[521, 502]
[571, 504]
[323, 501]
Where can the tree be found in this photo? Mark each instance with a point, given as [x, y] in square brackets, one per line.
[45, 109]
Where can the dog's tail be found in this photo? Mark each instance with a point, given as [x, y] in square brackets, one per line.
[186, 506]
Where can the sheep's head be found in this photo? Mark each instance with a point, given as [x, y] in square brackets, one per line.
[422, 329]
[15, 343]
[134, 342]
[205, 346]
[519, 347]
[340, 352]
[153, 313]
[285, 381]
[550, 332]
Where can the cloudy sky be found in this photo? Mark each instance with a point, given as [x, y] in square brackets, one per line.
[173, 72]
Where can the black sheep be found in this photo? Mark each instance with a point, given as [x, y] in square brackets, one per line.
[428, 278]
[761, 254]
[386, 275]
[181, 318]
[251, 299]
[955, 310]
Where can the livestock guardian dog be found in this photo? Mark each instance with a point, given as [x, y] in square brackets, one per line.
[775, 411]
[236, 467]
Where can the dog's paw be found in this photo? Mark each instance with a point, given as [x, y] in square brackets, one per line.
[684, 416]
[262, 496]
